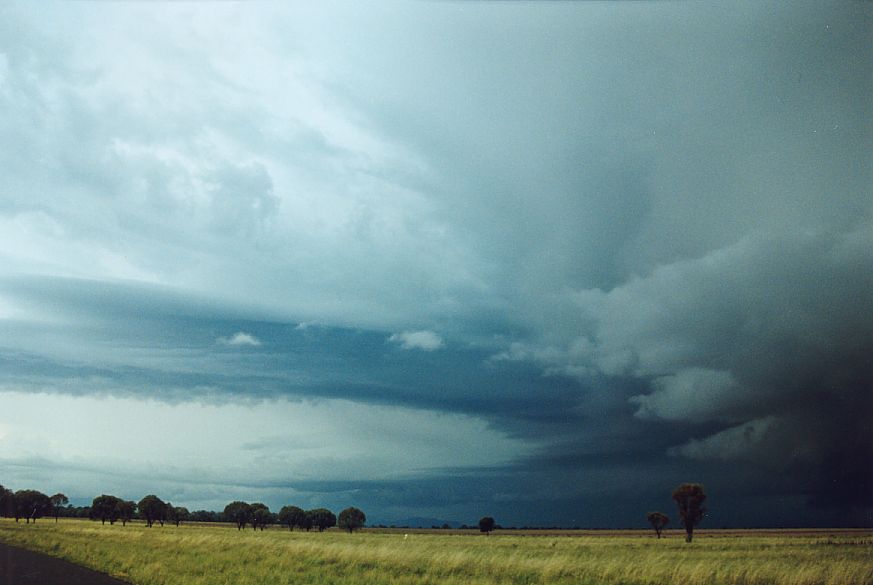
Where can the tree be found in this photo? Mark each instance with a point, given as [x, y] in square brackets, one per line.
[322, 518]
[169, 513]
[260, 516]
[57, 501]
[152, 509]
[7, 502]
[176, 514]
[205, 516]
[238, 512]
[105, 508]
[306, 523]
[180, 514]
[31, 504]
[125, 509]
[658, 521]
[486, 525]
[690, 497]
[351, 519]
[292, 516]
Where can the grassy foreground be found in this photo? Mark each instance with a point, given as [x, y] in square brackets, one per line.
[206, 554]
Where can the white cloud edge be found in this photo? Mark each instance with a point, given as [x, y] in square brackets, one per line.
[423, 339]
[240, 338]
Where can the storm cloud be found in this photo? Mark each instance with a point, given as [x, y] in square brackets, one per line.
[616, 246]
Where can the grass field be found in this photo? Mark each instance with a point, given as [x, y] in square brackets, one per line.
[210, 554]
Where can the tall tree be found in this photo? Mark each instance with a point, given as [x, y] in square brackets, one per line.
[169, 512]
[689, 497]
[58, 501]
[351, 519]
[486, 525]
[105, 508]
[31, 504]
[126, 509]
[152, 509]
[292, 516]
[307, 523]
[239, 513]
[260, 516]
[658, 521]
[7, 502]
[180, 514]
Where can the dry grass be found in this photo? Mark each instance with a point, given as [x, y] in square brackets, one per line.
[218, 555]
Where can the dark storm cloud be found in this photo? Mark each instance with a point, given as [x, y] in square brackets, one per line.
[634, 236]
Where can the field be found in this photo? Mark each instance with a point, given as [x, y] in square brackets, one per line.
[217, 554]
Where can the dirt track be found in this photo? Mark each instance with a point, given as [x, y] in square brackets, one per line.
[23, 567]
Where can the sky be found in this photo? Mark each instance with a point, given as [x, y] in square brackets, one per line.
[542, 261]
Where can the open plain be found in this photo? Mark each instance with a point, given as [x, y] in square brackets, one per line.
[219, 554]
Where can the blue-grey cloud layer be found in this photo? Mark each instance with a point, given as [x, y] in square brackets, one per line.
[636, 236]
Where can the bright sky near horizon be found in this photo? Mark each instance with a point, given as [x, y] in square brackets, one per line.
[440, 259]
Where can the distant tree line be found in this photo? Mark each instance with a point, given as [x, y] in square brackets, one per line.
[32, 504]
[29, 504]
[258, 516]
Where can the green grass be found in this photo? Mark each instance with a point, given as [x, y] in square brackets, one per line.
[207, 554]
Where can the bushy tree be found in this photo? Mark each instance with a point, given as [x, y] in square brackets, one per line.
[689, 497]
[105, 507]
[292, 516]
[181, 514]
[176, 514]
[152, 509]
[351, 519]
[260, 516]
[239, 513]
[126, 510]
[486, 525]
[7, 502]
[658, 521]
[31, 504]
[322, 518]
[58, 501]
[306, 523]
[206, 516]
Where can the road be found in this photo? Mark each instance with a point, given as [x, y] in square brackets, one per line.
[23, 567]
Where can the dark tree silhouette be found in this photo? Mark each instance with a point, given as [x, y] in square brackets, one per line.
[690, 497]
[206, 516]
[105, 507]
[152, 509]
[58, 500]
[126, 509]
[7, 502]
[292, 516]
[260, 516]
[180, 514]
[486, 525]
[239, 513]
[322, 518]
[307, 521]
[351, 519]
[658, 521]
[31, 504]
